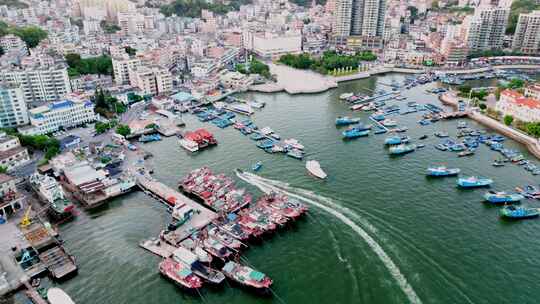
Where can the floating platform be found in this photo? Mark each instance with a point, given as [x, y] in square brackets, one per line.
[158, 247]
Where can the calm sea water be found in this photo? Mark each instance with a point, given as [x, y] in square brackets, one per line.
[448, 245]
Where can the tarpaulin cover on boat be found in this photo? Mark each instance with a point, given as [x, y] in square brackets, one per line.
[228, 267]
[184, 273]
[256, 275]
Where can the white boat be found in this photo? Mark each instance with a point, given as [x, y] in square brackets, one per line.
[256, 104]
[346, 96]
[266, 131]
[58, 296]
[358, 107]
[314, 168]
[189, 145]
[294, 143]
[240, 108]
[389, 123]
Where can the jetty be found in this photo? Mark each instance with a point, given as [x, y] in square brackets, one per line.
[172, 198]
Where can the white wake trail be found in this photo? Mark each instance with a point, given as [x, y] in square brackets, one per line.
[383, 256]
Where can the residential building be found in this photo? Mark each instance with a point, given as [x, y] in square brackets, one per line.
[12, 42]
[66, 114]
[39, 83]
[527, 36]
[533, 91]
[363, 18]
[522, 108]
[11, 200]
[12, 154]
[13, 111]
[486, 28]
[122, 66]
[153, 80]
[235, 80]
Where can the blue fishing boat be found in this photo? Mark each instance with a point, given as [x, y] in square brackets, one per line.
[256, 136]
[514, 212]
[377, 116]
[296, 153]
[345, 120]
[401, 149]
[442, 171]
[502, 197]
[354, 133]
[257, 166]
[266, 144]
[474, 182]
[149, 138]
[394, 140]
[380, 130]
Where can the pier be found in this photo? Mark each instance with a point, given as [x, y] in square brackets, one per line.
[172, 198]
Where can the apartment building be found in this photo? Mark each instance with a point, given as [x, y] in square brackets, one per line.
[13, 110]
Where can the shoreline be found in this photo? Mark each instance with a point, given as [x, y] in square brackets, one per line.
[313, 83]
[532, 144]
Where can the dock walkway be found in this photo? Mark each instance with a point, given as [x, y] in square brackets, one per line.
[158, 247]
[171, 198]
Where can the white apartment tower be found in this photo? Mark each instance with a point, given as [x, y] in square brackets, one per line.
[13, 111]
[527, 35]
[38, 83]
[486, 28]
[122, 66]
[363, 18]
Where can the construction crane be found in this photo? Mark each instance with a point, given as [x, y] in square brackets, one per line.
[26, 221]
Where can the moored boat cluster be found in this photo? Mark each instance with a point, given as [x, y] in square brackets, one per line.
[494, 197]
[211, 254]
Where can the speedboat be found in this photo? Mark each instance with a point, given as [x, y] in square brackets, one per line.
[514, 212]
[354, 133]
[401, 149]
[441, 134]
[257, 166]
[345, 96]
[345, 120]
[502, 197]
[442, 171]
[474, 182]
[314, 168]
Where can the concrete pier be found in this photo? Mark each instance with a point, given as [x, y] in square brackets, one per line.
[171, 198]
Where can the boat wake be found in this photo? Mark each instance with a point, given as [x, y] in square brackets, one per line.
[268, 186]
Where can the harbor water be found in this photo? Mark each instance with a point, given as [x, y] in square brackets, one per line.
[385, 234]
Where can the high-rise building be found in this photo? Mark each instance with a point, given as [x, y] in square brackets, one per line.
[39, 83]
[486, 28]
[527, 35]
[13, 111]
[122, 66]
[153, 80]
[364, 18]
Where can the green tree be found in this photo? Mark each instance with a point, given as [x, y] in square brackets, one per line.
[2, 52]
[131, 51]
[482, 106]
[31, 35]
[123, 130]
[3, 170]
[508, 119]
[102, 127]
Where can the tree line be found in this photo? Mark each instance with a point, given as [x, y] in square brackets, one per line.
[329, 61]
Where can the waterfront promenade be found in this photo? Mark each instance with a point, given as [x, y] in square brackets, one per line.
[532, 144]
[296, 81]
